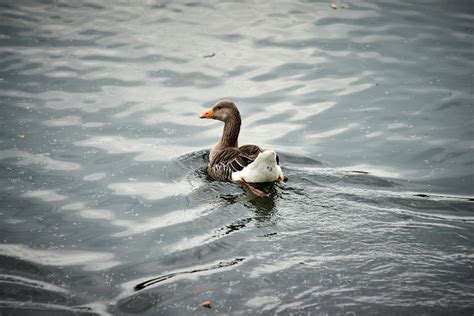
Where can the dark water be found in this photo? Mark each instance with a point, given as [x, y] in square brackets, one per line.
[105, 204]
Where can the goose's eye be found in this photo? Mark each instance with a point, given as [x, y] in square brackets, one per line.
[218, 107]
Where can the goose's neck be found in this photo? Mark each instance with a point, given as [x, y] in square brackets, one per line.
[230, 135]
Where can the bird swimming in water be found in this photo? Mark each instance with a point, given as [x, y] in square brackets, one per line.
[245, 164]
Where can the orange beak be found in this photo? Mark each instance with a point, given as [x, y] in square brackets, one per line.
[209, 114]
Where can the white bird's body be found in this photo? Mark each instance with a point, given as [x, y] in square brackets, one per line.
[263, 169]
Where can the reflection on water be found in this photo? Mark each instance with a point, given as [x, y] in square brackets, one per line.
[106, 207]
[151, 190]
[25, 158]
[92, 261]
[45, 195]
[71, 121]
[172, 218]
[149, 148]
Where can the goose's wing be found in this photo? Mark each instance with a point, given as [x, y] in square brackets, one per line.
[228, 161]
[253, 151]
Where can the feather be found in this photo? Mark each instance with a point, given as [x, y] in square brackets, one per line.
[226, 162]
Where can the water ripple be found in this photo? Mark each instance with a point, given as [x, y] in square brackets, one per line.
[106, 206]
[26, 158]
[92, 261]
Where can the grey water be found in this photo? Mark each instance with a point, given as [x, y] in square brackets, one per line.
[105, 204]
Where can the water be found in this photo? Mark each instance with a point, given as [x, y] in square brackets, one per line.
[106, 207]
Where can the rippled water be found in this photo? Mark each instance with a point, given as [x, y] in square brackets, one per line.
[105, 202]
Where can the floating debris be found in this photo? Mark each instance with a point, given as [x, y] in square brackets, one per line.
[422, 195]
[206, 304]
[210, 55]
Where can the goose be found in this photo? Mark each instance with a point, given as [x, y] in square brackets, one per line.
[246, 164]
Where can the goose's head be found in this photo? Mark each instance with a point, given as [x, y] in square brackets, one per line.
[221, 111]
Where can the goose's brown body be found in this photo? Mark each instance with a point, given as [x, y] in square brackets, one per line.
[231, 159]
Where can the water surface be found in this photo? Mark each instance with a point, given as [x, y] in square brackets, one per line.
[106, 207]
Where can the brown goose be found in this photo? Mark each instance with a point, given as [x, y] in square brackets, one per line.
[246, 164]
